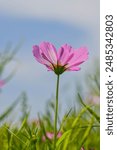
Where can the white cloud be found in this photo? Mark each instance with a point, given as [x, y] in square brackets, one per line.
[73, 11]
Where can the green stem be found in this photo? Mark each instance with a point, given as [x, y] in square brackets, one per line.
[56, 113]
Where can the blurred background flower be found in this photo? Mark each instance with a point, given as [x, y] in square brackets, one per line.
[2, 83]
[50, 135]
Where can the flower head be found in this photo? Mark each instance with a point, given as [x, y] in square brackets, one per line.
[65, 59]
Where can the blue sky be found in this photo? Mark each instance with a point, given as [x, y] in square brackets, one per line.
[34, 25]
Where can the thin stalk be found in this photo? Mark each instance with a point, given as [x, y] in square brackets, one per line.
[56, 112]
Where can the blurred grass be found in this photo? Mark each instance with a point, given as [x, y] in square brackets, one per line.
[79, 129]
[76, 132]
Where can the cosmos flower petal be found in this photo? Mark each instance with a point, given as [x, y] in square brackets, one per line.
[49, 51]
[39, 55]
[73, 69]
[50, 68]
[80, 55]
[36, 54]
[64, 53]
[69, 58]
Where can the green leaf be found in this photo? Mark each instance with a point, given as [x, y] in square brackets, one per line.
[85, 135]
[89, 109]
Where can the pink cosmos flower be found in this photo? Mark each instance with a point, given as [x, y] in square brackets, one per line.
[2, 82]
[65, 59]
[50, 135]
